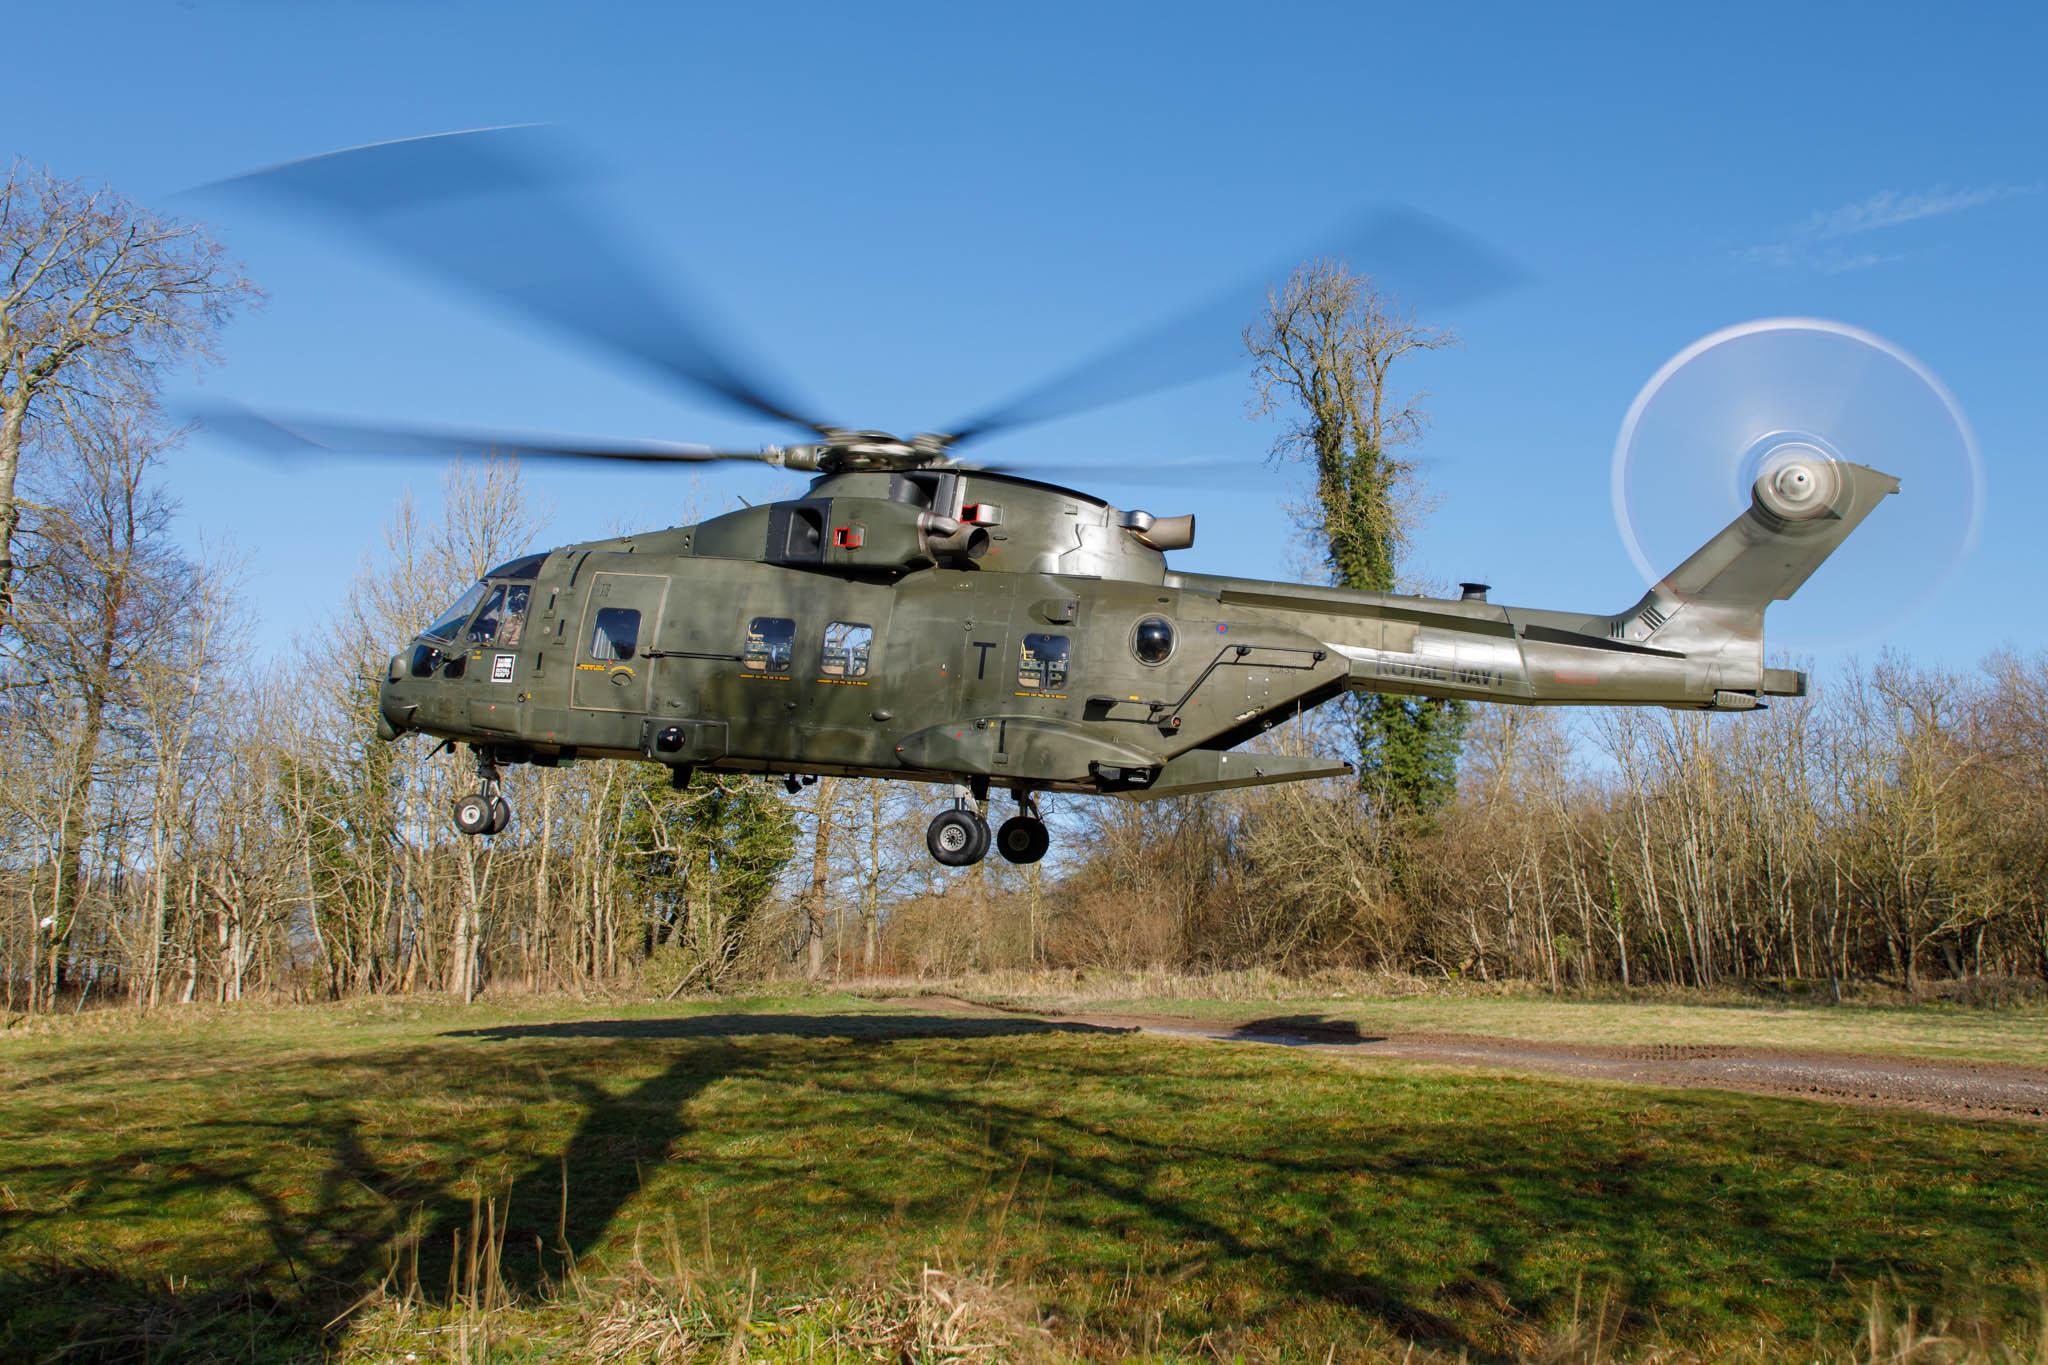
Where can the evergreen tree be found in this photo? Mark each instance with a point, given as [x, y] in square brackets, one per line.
[1323, 350]
[701, 862]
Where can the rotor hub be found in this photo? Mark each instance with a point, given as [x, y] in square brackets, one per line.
[857, 451]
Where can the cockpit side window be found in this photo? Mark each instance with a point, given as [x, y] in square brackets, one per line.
[484, 629]
[503, 617]
[448, 622]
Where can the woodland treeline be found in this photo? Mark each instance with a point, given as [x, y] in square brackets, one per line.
[186, 820]
[240, 831]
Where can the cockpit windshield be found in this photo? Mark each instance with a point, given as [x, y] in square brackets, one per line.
[448, 622]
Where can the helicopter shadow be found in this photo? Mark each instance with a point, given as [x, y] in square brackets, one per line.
[562, 1205]
[1304, 1030]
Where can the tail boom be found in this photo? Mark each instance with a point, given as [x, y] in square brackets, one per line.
[1694, 641]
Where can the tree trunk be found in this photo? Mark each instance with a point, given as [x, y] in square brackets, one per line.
[12, 416]
[71, 830]
[821, 872]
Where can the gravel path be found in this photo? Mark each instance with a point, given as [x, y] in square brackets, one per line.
[1973, 1089]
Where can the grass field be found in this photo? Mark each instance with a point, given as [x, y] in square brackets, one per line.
[770, 1179]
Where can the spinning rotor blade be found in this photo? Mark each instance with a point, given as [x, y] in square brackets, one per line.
[1165, 478]
[1425, 264]
[488, 208]
[294, 434]
[1729, 407]
[1167, 475]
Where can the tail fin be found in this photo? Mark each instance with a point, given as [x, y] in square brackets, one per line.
[1800, 512]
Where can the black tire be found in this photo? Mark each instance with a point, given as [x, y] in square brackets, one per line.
[957, 838]
[473, 814]
[501, 815]
[1023, 839]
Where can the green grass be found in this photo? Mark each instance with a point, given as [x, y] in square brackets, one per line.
[230, 1184]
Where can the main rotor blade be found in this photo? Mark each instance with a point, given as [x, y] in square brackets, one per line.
[1423, 263]
[1161, 478]
[1166, 476]
[488, 208]
[296, 434]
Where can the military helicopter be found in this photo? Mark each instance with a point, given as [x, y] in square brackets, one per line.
[914, 617]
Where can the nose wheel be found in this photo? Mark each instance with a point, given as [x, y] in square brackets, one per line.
[484, 812]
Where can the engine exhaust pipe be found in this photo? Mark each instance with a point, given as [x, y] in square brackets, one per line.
[1161, 533]
[948, 536]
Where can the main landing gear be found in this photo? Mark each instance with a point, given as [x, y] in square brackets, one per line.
[484, 812]
[960, 837]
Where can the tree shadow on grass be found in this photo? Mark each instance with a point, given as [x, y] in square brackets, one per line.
[1427, 1208]
[324, 1261]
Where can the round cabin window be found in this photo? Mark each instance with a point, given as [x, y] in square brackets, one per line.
[1153, 640]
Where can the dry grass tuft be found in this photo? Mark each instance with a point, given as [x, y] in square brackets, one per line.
[939, 1317]
[666, 1307]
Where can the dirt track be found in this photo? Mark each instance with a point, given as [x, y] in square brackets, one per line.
[1971, 1089]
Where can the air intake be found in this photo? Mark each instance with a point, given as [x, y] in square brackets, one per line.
[1473, 592]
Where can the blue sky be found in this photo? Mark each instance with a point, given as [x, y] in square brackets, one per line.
[911, 211]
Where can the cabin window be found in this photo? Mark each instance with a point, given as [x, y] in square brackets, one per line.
[771, 641]
[1152, 641]
[1042, 664]
[617, 634]
[848, 645]
[504, 616]
[448, 622]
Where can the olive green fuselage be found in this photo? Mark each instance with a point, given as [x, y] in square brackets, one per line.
[977, 628]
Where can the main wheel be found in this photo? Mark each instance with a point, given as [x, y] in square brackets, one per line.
[473, 814]
[501, 815]
[957, 838]
[1023, 839]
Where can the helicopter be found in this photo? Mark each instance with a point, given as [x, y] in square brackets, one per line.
[914, 617]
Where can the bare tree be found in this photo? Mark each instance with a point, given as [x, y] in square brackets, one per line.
[99, 296]
[109, 593]
[371, 817]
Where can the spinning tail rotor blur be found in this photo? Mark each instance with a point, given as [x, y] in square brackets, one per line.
[1787, 398]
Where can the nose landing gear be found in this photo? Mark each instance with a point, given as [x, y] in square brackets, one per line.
[484, 812]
